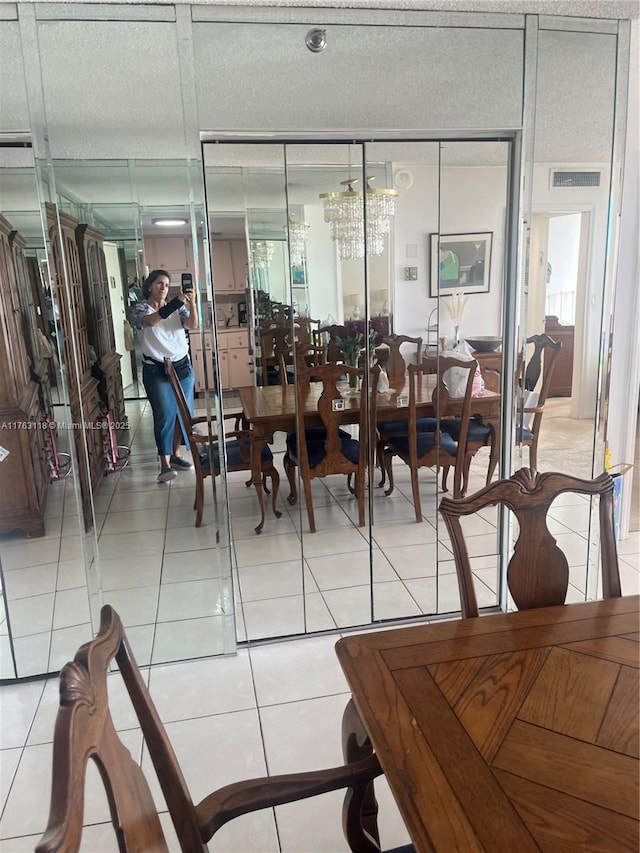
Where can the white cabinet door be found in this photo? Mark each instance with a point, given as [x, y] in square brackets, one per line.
[171, 253]
[239, 260]
[223, 281]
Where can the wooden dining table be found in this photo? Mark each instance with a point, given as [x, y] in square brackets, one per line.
[512, 732]
[272, 408]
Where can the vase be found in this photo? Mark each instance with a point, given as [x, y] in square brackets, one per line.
[456, 336]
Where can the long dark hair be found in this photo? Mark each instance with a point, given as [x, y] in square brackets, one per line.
[153, 275]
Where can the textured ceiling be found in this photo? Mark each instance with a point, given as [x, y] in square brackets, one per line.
[573, 8]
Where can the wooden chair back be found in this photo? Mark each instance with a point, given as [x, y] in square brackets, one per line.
[85, 731]
[441, 397]
[421, 446]
[307, 330]
[538, 572]
[277, 350]
[334, 350]
[331, 407]
[206, 448]
[395, 364]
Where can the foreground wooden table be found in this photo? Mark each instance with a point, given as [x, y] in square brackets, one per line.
[512, 732]
[272, 408]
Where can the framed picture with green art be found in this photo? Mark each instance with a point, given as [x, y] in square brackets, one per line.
[460, 262]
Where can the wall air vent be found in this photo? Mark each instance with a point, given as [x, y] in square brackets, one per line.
[575, 179]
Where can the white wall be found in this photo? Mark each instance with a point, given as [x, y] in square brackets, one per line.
[473, 199]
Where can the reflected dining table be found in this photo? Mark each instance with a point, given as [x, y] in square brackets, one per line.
[272, 408]
[512, 732]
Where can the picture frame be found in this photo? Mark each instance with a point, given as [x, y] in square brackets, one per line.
[298, 275]
[460, 263]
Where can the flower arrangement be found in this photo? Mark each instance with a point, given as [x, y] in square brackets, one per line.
[351, 347]
[455, 304]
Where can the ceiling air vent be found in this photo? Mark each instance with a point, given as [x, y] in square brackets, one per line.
[575, 179]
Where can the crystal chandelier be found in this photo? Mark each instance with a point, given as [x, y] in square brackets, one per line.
[261, 254]
[298, 236]
[345, 214]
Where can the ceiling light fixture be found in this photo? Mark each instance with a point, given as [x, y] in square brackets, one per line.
[262, 254]
[345, 213]
[298, 236]
[171, 221]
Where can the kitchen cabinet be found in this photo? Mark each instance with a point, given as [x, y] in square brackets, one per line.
[229, 262]
[173, 254]
[236, 366]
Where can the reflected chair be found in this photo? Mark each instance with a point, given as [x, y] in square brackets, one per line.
[85, 731]
[530, 405]
[237, 448]
[334, 350]
[319, 451]
[545, 353]
[538, 572]
[396, 368]
[396, 365]
[434, 448]
[276, 352]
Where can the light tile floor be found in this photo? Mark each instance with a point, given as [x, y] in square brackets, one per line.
[282, 701]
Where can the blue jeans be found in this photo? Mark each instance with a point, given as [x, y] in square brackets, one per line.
[164, 406]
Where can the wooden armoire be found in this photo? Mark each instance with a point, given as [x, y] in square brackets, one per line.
[82, 387]
[95, 282]
[24, 396]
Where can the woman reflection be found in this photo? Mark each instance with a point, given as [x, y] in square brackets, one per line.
[162, 325]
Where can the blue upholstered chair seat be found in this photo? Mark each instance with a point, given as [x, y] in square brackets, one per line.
[477, 431]
[426, 442]
[389, 427]
[234, 458]
[523, 434]
[315, 446]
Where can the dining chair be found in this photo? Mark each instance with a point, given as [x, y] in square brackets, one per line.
[319, 451]
[396, 364]
[237, 449]
[530, 405]
[85, 730]
[538, 571]
[276, 352]
[432, 448]
[332, 333]
[396, 368]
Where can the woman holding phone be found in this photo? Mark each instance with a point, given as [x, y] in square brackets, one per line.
[163, 325]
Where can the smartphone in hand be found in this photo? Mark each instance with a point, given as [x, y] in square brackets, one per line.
[187, 282]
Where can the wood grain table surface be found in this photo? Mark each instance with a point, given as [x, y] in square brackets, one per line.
[509, 732]
[272, 408]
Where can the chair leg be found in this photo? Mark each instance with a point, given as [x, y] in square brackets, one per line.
[388, 467]
[415, 488]
[290, 471]
[360, 495]
[275, 486]
[380, 463]
[309, 499]
[264, 483]
[198, 504]
[445, 475]
[356, 746]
